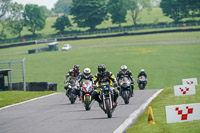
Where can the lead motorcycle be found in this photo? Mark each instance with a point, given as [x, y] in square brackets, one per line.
[142, 82]
[86, 91]
[72, 90]
[107, 97]
[125, 86]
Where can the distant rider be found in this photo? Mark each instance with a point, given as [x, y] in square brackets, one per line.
[101, 77]
[142, 73]
[125, 73]
[72, 75]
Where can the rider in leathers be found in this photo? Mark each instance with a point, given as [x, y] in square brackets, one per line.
[104, 77]
[71, 74]
[125, 73]
[86, 75]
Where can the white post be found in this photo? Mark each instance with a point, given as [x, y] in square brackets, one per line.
[23, 70]
[9, 62]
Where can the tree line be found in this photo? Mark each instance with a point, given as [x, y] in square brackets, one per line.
[87, 13]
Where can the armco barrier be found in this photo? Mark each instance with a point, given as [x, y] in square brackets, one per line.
[106, 36]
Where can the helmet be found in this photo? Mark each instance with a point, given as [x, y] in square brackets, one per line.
[124, 68]
[76, 68]
[142, 70]
[86, 72]
[101, 69]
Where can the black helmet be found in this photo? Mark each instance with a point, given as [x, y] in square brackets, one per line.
[76, 68]
[101, 69]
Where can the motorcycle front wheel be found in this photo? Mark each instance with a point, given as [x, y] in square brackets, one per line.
[108, 111]
[87, 103]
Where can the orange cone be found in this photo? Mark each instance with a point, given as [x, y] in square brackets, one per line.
[150, 116]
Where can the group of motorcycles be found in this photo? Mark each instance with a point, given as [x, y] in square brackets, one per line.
[106, 93]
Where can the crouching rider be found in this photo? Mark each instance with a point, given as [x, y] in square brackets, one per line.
[102, 77]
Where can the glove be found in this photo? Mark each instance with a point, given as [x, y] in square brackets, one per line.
[115, 84]
[132, 82]
[94, 86]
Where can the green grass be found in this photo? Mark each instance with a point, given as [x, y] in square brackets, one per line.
[165, 65]
[12, 97]
[167, 98]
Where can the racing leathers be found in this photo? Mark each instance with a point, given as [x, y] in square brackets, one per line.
[72, 75]
[99, 79]
[127, 74]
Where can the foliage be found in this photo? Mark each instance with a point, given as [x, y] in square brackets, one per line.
[34, 17]
[4, 7]
[15, 21]
[88, 13]
[61, 22]
[62, 6]
[175, 9]
[47, 12]
[194, 10]
[136, 6]
[118, 11]
[2, 31]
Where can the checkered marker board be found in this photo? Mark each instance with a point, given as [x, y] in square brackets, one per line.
[183, 113]
[181, 90]
[191, 81]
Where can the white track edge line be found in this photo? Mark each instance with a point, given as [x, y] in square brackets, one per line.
[28, 101]
[135, 114]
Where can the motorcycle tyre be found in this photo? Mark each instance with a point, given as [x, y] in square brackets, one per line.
[87, 103]
[108, 111]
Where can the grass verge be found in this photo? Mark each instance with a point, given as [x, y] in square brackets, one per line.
[12, 97]
[167, 98]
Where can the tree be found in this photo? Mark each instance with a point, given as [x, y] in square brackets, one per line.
[15, 20]
[4, 7]
[62, 6]
[34, 18]
[47, 12]
[175, 9]
[61, 22]
[194, 10]
[136, 6]
[88, 13]
[118, 11]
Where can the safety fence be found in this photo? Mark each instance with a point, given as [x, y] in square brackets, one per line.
[110, 30]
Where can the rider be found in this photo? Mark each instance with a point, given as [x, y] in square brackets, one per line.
[73, 74]
[142, 73]
[104, 76]
[86, 75]
[125, 73]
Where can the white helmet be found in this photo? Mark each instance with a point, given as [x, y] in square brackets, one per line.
[142, 70]
[86, 72]
[124, 68]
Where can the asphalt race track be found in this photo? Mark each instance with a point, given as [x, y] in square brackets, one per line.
[55, 114]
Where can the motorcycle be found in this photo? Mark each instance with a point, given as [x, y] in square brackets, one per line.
[142, 82]
[107, 96]
[86, 91]
[125, 93]
[72, 88]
